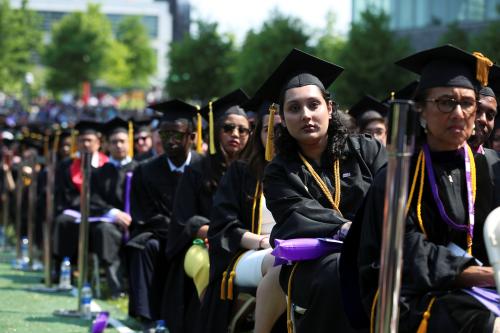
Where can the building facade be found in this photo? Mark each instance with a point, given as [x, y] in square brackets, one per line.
[155, 15]
[424, 21]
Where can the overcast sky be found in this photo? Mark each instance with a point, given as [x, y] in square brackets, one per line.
[238, 16]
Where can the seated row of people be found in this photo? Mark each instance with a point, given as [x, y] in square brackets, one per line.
[322, 183]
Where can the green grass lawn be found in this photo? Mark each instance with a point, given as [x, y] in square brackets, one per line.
[25, 311]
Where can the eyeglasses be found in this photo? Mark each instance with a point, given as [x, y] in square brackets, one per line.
[141, 138]
[447, 105]
[229, 128]
[374, 131]
[172, 135]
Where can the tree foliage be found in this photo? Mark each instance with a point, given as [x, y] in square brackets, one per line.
[140, 56]
[263, 50]
[330, 44]
[19, 44]
[456, 36]
[78, 50]
[201, 64]
[368, 58]
[488, 40]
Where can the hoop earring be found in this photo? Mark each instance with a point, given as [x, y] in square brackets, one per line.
[423, 123]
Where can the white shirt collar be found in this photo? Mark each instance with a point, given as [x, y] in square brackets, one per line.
[181, 168]
[120, 163]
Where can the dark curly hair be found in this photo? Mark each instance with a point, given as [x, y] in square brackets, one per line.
[337, 133]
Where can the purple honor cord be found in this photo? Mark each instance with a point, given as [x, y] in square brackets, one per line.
[435, 192]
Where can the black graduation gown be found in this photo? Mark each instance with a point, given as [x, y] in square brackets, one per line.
[145, 156]
[151, 204]
[231, 218]
[429, 268]
[108, 191]
[300, 210]
[67, 196]
[192, 209]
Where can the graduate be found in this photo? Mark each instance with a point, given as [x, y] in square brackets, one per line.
[110, 198]
[68, 184]
[370, 115]
[316, 183]
[193, 207]
[239, 235]
[154, 184]
[143, 139]
[451, 193]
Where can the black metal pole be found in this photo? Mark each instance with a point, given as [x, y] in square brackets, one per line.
[84, 225]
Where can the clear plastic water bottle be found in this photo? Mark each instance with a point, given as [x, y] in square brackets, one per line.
[25, 259]
[160, 327]
[86, 301]
[65, 274]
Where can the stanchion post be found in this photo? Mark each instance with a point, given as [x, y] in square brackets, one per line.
[400, 144]
[51, 160]
[5, 209]
[32, 188]
[84, 226]
[19, 202]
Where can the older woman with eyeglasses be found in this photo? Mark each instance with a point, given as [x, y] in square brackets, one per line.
[193, 207]
[451, 193]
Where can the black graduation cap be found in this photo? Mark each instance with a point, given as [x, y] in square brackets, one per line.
[405, 93]
[175, 109]
[366, 104]
[229, 103]
[115, 125]
[143, 124]
[88, 127]
[298, 69]
[449, 66]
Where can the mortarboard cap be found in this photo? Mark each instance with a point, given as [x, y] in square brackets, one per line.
[88, 127]
[298, 69]
[366, 104]
[175, 109]
[115, 125]
[228, 104]
[449, 66]
[143, 124]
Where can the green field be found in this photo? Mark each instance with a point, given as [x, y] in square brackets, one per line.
[25, 311]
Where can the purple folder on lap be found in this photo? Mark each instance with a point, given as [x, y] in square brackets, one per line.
[300, 249]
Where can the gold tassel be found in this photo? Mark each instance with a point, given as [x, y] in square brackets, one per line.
[230, 285]
[223, 286]
[270, 133]
[199, 132]
[74, 148]
[46, 147]
[55, 145]
[482, 68]
[131, 139]
[211, 128]
[422, 328]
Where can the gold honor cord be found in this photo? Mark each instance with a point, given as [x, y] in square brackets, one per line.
[336, 172]
[420, 168]
[257, 197]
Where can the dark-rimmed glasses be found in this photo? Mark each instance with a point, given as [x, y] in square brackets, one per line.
[447, 105]
[172, 135]
[229, 128]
